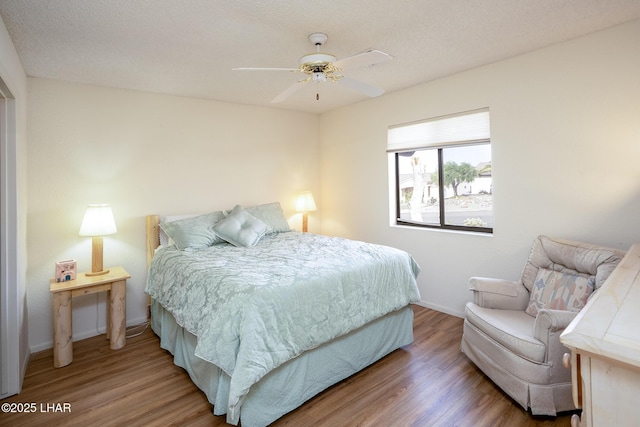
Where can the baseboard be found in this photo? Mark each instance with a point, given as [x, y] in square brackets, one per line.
[441, 308]
[87, 334]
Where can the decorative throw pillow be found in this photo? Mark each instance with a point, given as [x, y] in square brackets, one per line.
[559, 291]
[240, 228]
[194, 232]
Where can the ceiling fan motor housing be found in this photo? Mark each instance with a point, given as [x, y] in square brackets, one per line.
[318, 58]
[316, 62]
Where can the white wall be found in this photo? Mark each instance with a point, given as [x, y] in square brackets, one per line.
[15, 357]
[145, 153]
[565, 139]
[565, 128]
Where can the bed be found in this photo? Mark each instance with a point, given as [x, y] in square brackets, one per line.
[263, 317]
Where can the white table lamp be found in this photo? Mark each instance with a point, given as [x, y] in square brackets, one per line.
[97, 222]
[305, 204]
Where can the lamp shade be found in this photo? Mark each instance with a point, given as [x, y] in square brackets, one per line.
[98, 221]
[305, 202]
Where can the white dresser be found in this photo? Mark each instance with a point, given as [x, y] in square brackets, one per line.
[605, 350]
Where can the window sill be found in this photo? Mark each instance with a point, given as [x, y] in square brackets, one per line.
[441, 230]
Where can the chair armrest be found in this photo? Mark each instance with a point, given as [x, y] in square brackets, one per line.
[548, 327]
[499, 293]
[549, 320]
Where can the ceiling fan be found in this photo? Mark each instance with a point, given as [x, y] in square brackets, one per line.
[321, 67]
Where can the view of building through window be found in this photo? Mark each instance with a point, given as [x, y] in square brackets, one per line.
[466, 193]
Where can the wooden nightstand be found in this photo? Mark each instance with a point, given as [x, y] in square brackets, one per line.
[114, 283]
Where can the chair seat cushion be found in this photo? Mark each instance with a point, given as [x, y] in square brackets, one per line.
[512, 329]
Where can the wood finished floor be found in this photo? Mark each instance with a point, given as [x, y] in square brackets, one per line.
[428, 383]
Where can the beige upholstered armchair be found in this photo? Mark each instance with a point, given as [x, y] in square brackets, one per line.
[512, 329]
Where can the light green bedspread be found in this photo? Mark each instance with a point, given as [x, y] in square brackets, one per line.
[254, 308]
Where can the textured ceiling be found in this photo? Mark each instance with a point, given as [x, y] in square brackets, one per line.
[189, 47]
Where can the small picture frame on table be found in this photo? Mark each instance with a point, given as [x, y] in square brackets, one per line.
[65, 270]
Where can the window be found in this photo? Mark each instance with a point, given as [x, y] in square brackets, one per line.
[441, 169]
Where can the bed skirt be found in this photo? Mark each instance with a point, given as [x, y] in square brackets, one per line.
[293, 383]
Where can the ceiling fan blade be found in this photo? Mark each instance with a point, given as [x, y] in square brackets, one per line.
[287, 92]
[264, 69]
[365, 59]
[361, 87]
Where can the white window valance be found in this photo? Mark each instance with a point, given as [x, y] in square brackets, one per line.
[456, 129]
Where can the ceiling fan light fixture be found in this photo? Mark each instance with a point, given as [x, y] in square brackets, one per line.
[319, 77]
[318, 67]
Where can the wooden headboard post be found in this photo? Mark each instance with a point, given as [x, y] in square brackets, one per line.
[153, 241]
[153, 236]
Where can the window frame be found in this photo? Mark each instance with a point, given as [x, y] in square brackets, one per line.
[439, 133]
[441, 206]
